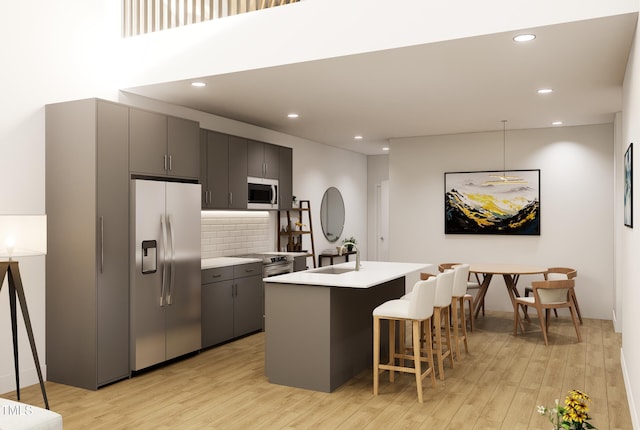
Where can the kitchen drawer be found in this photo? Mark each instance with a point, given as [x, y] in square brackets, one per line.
[217, 274]
[249, 269]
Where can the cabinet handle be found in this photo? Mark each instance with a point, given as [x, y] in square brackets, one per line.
[170, 162]
[217, 275]
[165, 162]
[101, 244]
[210, 196]
[230, 198]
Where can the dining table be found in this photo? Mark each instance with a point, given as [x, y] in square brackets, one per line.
[510, 272]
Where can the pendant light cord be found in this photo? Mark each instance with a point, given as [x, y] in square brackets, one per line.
[504, 147]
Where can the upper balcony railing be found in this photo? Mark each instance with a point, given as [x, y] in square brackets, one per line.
[146, 16]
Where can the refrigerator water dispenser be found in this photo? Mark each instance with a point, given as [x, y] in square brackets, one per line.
[149, 256]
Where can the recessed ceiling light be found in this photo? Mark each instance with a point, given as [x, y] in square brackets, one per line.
[556, 123]
[198, 84]
[386, 148]
[545, 91]
[524, 37]
[358, 137]
[293, 115]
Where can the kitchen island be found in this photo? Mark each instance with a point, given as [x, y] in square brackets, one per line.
[319, 327]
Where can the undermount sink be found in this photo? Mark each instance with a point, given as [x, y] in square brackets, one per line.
[332, 270]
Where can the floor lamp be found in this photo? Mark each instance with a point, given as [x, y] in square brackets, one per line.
[23, 236]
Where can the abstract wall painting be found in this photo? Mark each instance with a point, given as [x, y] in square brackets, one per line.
[492, 202]
[628, 186]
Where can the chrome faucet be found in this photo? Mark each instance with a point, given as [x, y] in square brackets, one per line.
[344, 245]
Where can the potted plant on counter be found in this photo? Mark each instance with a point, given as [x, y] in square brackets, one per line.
[349, 242]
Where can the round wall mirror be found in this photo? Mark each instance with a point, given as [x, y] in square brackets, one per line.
[332, 214]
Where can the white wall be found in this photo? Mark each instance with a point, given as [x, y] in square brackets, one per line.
[318, 167]
[629, 248]
[377, 171]
[576, 165]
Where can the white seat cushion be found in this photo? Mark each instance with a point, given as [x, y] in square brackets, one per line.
[20, 416]
[398, 308]
[528, 299]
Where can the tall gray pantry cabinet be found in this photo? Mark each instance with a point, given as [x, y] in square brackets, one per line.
[87, 206]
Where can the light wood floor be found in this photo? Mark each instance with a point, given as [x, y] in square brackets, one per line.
[496, 386]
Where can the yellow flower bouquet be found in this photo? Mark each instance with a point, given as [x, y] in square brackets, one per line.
[574, 415]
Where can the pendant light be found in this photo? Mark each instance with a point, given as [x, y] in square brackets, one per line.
[504, 179]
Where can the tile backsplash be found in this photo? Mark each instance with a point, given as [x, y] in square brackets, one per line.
[226, 233]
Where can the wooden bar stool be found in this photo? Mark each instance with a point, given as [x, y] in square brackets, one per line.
[459, 293]
[418, 309]
[442, 318]
[471, 285]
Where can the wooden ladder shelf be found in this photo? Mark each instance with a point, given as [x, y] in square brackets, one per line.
[296, 228]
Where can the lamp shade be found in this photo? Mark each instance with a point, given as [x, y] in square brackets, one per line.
[23, 235]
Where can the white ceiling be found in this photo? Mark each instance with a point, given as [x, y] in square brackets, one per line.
[457, 86]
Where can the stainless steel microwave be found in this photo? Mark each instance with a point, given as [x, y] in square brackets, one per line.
[262, 193]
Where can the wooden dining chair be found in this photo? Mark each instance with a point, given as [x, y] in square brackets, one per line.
[554, 273]
[547, 295]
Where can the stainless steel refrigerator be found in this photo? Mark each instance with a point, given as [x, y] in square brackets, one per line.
[165, 271]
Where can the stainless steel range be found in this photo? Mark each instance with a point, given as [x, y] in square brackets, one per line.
[273, 263]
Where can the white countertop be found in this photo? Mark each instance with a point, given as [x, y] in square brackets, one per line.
[371, 273]
[212, 263]
[291, 253]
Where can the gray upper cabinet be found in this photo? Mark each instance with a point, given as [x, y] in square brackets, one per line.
[214, 176]
[87, 277]
[161, 145]
[237, 173]
[223, 166]
[285, 177]
[226, 161]
[263, 160]
[183, 148]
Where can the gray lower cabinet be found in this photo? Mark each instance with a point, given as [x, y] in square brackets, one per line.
[161, 145]
[232, 301]
[87, 277]
[299, 263]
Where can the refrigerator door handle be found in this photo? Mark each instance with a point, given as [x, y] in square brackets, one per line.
[164, 263]
[172, 268]
[102, 244]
